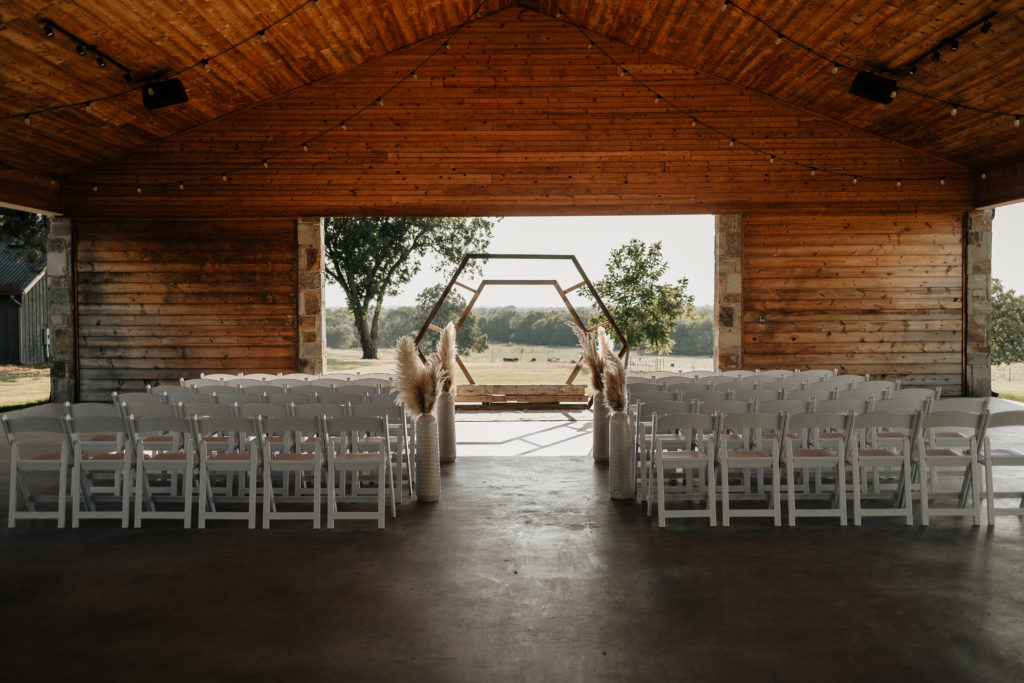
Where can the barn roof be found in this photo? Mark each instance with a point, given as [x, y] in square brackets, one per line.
[61, 115]
[19, 270]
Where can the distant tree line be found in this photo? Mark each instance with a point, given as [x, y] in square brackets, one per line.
[508, 325]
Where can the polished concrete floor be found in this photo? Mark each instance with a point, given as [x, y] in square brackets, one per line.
[524, 571]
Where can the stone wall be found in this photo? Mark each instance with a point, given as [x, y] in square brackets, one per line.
[311, 282]
[60, 282]
[978, 303]
[728, 351]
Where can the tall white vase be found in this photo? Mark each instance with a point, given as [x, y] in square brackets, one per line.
[600, 428]
[621, 468]
[446, 426]
[428, 461]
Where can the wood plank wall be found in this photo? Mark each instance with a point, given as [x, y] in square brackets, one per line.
[159, 300]
[877, 295]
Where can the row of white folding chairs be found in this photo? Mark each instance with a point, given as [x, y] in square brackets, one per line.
[83, 439]
[912, 447]
[264, 394]
[777, 372]
[870, 390]
[723, 383]
[325, 379]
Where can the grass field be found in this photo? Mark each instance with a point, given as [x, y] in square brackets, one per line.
[532, 364]
[20, 385]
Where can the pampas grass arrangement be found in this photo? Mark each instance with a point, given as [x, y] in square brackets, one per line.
[419, 385]
[446, 351]
[419, 382]
[614, 378]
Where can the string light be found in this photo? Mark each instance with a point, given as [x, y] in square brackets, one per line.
[80, 49]
[181, 186]
[835, 68]
[814, 171]
[657, 98]
[380, 101]
[28, 120]
[88, 107]
[224, 177]
[899, 182]
[725, 5]
[48, 30]
[206, 64]
[854, 181]
[693, 123]
[954, 110]
[266, 164]
[778, 38]
[263, 37]
[732, 142]
[771, 159]
[138, 189]
[942, 181]
[414, 75]
[101, 63]
[1016, 121]
[95, 188]
[305, 147]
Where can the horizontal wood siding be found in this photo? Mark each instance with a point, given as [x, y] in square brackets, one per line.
[160, 300]
[877, 295]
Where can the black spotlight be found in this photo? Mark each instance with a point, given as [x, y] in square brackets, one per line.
[80, 49]
[48, 30]
[873, 87]
[101, 63]
[164, 93]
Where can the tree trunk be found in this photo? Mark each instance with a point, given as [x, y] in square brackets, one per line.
[367, 339]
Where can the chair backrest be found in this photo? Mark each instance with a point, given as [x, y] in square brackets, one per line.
[807, 394]
[146, 409]
[394, 412]
[701, 395]
[236, 429]
[696, 374]
[318, 409]
[681, 384]
[901, 405]
[820, 374]
[251, 410]
[338, 376]
[216, 388]
[325, 382]
[220, 376]
[144, 427]
[659, 375]
[206, 381]
[1005, 418]
[633, 397]
[751, 427]
[98, 433]
[210, 410]
[918, 393]
[136, 397]
[297, 433]
[229, 395]
[647, 408]
[286, 399]
[783, 406]
[94, 410]
[714, 380]
[52, 428]
[298, 377]
[728, 388]
[852, 379]
[862, 394]
[843, 405]
[777, 373]
[832, 384]
[690, 428]
[755, 395]
[739, 373]
[644, 386]
[255, 377]
[958, 420]
[965, 404]
[285, 384]
[348, 430]
[641, 378]
[724, 406]
[307, 388]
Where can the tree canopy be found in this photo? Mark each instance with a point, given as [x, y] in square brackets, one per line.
[375, 257]
[1007, 325]
[644, 308]
[23, 232]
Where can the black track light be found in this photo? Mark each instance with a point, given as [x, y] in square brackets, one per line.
[986, 27]
[936, 56]
[48, 30]
[80, 49]
[127, 76]
[100, 62]
[954, 45]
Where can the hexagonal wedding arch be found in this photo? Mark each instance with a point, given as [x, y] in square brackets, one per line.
[487, 394]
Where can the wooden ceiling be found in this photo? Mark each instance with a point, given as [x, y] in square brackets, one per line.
[785, 54]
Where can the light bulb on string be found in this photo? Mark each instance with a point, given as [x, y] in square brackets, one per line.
[95, 188]
[305, 147]
[415, 76]
[1016, 121]
[263, 37]
[835, 68]
[181, 186]
[771, 159]
[266, 164]
[206, 64]
[88, 107]
[693, 123]
[854, 181]
[899, 182]
[100, 62]
[657, 98]
[954, 110]
[380, 101]
[28, 120]
[732, 142]
[344, 126]
[80, 49]
[224, 177]
[138, 189]
[942, 181]
[814, 171]
[984, 175]
[725, 5]
[778, 38]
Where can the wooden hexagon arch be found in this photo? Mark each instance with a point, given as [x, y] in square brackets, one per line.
[585, 282]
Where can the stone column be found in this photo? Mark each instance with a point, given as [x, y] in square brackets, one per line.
[311, 282]
[60, 276]
[978, 303]
[728, 292]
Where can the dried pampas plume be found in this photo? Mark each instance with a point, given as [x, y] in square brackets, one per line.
[446, 352]
[592, 358]
[418, 382]
[614, 375]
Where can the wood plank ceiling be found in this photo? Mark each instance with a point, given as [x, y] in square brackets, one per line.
[309, 41]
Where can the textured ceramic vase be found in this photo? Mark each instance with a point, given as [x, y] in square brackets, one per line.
[621, 474]
[428, 460]
[600, 428]
[446, 426]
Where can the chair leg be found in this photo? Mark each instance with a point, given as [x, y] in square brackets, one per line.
[791, 488]
[776, 492]
[126, 492]
[990, 492]
[140, 473]
[723, 471]
[381, 492]
[711, 488]
[855, 473]
[186, 475]
[332, 506]
[661, 492]
[62, 496]
[76, 491]
[841, 488]
[252, 492]
[12, 501]
[922, 474]
[268, 492]
[316, 495]
[905, 491]
[975, 492]
[204, 485]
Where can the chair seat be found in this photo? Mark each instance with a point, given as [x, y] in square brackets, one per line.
[945, 453]
[166, 456]
[110, 455]
[749, 454]
[233, 455]
[814, 452]
[877, 453]
[357, 457]
[295, 456]
[45, 455]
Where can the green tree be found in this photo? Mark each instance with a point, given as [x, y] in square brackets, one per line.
[340, 333]
[644, 308]
[375, 257]
[469, 338]
[1007, 325]
[695, 337]
[23, 232]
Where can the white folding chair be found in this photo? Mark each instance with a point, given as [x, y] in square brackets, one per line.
[893, 452]
[358, 446]
[226, 449]
[808, 452]
[1011, 456]
[683, 452]
[164, 449]
[938, 450]
[38, 443]
[291, 446]
[100, 444]
[401, 446]
[750, 449]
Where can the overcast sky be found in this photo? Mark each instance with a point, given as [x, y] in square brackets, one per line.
[687, 242]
